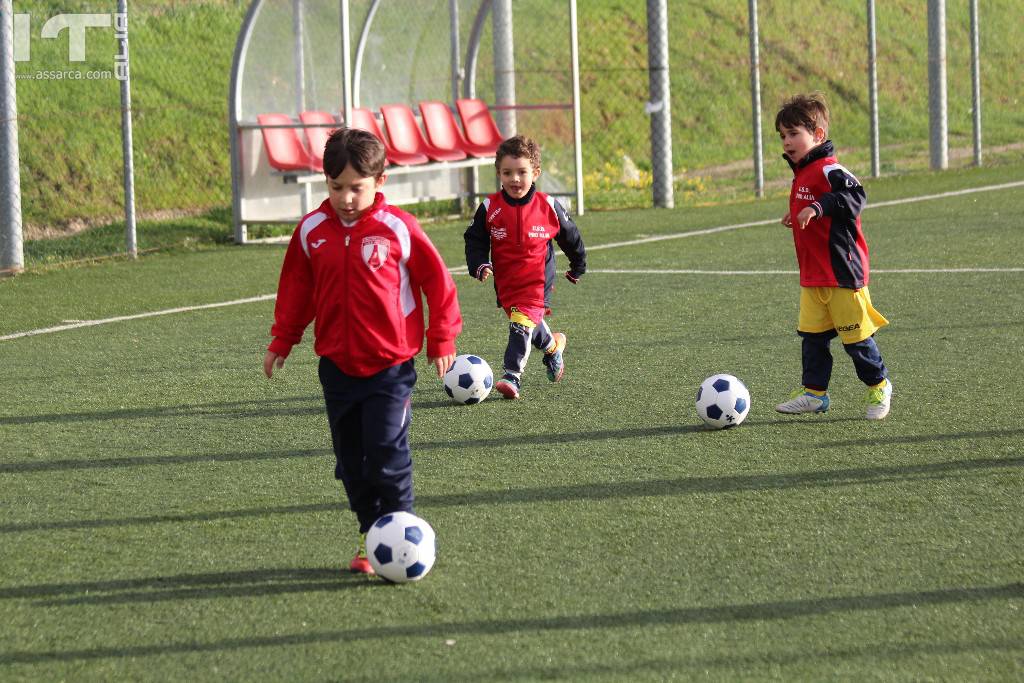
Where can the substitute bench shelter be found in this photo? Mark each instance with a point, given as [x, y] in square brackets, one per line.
[425, 76]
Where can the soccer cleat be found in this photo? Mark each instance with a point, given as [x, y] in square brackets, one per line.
[360, 564]
[508, 387]
[878, 401]
[553, 361]
[803, 401]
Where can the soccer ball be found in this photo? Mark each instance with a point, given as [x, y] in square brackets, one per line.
[469, 379]
[722, 401]
[400, 547]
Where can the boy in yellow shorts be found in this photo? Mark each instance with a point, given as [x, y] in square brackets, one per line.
[824, 214]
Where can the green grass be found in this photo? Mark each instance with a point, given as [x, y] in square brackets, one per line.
[170, 514]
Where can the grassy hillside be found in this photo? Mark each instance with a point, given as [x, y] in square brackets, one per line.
[70, 130]
[181, 56]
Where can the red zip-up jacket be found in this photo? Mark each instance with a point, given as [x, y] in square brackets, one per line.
[516, 235]
[363, 285]
[831, 250]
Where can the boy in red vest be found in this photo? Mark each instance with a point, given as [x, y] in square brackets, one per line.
[360, 268]
[511, 237]
[824, 214]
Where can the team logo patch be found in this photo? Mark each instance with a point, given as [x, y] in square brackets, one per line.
[538, 231]
[499, 232]
[375, 251]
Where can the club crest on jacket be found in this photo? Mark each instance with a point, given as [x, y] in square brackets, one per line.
[375, 251]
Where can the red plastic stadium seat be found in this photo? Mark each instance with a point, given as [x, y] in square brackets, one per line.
[481, 130]
[364, 120]
[443, 132]
[285, 150]
[317, 134]
[406, 136]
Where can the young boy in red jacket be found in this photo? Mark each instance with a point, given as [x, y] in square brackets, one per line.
[825, 203]
[510, 237]
[359, 268]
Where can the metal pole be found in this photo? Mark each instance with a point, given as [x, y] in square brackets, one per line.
[299, 55]
[937, 121]
[473, 50]
[12, 256]
[346, 64]
[873, 90]
[504, 66]
[976, 81]
[453, 42]
[755, 97]
[659, 106]
[234, 117]
[577, 128]
[121, 23]
[357, 70]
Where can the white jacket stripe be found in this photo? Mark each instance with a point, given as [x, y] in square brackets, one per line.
[401, 231]
[311, 222]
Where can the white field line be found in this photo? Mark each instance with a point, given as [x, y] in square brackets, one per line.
[659, 238]
[736, 226]
[670, 271]
[89, 323]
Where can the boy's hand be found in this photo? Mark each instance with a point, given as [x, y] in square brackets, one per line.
[484, 273]
[572, 277]
[805, 216]
[270, 361]
[442, 363]
[787, 221]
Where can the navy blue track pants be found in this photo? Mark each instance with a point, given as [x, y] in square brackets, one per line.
[369, 419]
[817, 360]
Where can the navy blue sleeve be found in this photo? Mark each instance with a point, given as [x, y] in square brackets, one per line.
[847, 198]
[478, 242]
[570, 241]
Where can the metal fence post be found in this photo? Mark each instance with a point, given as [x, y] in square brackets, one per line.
[659, 106]
[12, 257]
[131, 245]
[755, 97]
[873, 90]
[976, 81]
[577, 126]
[937, 121]
[504, 66]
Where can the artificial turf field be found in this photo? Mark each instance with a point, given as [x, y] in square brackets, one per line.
[171, 514]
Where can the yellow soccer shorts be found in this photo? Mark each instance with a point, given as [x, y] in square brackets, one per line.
[847, 311]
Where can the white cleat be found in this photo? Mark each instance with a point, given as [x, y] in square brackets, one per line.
[803, 402]
[878, 401]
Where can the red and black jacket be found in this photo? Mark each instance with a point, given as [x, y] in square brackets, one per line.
[831, 250]
[514, 237]
[363, 284]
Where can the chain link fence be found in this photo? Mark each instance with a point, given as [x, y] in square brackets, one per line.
[69, 109]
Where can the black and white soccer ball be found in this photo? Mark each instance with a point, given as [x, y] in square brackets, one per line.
[401, 547]
[722, 401]
[469, 379]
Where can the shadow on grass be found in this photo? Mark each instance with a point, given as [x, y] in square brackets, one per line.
[146, 460]
[227, 409]
[232, 409]
[735, 664]
[578, 492]
[189, 587]
[679, 616]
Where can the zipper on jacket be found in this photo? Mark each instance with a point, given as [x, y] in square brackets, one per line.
[519, 224]
[345, 297]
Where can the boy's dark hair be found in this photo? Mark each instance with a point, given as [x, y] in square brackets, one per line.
[803, 111]
[519, 146]
[358, 148]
